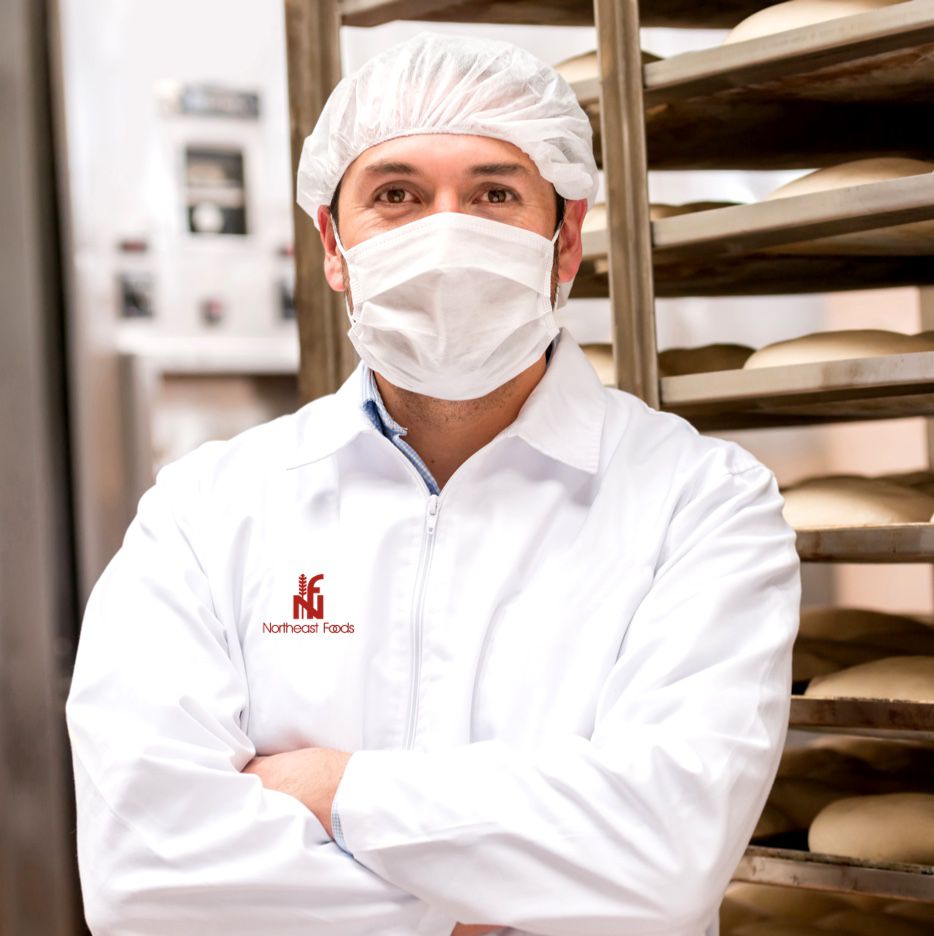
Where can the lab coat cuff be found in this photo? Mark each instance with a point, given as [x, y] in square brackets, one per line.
[336, 829]
[358, 797]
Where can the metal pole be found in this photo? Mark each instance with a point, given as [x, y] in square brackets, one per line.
[38, 616]
[314, 68]
[625, 168]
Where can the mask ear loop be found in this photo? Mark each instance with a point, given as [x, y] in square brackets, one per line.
[343, 253]
[554, 239]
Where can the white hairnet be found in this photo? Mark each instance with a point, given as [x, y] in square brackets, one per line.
[435, 83]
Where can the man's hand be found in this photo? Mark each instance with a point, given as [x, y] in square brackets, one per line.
[311, 775]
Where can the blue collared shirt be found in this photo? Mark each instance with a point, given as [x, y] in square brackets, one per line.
[375, 408]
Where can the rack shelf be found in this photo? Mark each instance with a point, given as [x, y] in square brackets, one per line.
[879, 55]
[764, 274]
[897, 542]
[853, 87]
[739, 229]
[735, 250]
[813, 871]
[883, 387]
[684, 13]
[876, 717]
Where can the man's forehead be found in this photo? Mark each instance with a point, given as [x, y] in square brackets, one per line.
[416, 154]
[395, 167]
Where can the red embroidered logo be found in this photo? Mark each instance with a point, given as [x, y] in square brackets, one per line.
[309, 602]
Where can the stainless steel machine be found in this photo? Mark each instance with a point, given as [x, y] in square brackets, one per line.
[174, 154]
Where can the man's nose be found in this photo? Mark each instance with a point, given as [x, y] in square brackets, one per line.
[446, 199]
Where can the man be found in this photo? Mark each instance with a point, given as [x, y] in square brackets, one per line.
[524, 670]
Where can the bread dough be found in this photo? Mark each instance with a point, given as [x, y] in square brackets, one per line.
[857, 172]
[892, 827]
[601, 359]
[801, 798]
[853, 501]
[914, 239]
[595, 219]
[663, 210]
[674, 361]
[865, 625]
[833, 638]
[583, 67]
[906, 678]
[837, 346]
[812, 658]
[922, 479]
[796, 13]
[712, 357]
[872, 765]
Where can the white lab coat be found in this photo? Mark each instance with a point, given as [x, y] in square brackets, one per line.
[566, 683]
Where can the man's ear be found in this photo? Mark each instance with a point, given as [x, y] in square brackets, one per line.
[332, 258]
[570, 250]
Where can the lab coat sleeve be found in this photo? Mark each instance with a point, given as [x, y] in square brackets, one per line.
[171, 836]
[638, 828]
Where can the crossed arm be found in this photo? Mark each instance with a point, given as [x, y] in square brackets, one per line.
[311, 775]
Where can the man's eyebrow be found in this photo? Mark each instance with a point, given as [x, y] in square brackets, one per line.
[503, 168]
[389, 167]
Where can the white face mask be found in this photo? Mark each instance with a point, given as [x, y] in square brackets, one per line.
[452, 305]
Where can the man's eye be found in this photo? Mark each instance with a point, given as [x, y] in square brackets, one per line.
[394, 196]
[497, 195]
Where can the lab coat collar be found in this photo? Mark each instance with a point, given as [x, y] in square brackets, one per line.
[562, 416]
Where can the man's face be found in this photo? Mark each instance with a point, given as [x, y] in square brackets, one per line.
[405, 179]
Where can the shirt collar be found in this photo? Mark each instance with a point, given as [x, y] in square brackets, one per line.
[562, 416]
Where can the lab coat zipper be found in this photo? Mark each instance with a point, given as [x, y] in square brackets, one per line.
[431, 520]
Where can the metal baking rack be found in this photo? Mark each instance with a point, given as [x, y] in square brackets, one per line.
[850, 88]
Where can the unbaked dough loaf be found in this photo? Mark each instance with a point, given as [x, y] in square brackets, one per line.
[856, 172]
[892, 827]
[796, 13]
[837, 346]
[915, 239]
[852, 501]
[583, 67]
[820, 658]
[664, 210]
[772, 821]
[920, 480]
[595, 219]
[833, 638]
[906, 678]
[712, 357]
[873, 765]
[801, 798]
[865, 625]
